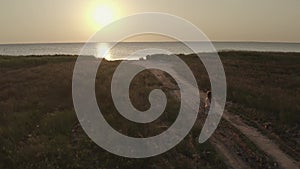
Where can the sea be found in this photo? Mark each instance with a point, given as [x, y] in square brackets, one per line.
[132, 50]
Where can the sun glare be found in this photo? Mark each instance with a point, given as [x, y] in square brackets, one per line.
[103, 51]
[103, 15]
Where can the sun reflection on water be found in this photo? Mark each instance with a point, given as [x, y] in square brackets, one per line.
[103, 51]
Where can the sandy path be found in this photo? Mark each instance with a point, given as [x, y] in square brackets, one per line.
[256, 137]
[230, 158]
[261, 141]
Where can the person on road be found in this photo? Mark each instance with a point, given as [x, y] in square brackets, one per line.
[207, 102]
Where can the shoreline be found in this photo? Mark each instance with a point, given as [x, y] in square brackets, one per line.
[178, 54]
[59, 43]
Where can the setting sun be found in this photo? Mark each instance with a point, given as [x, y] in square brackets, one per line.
[103, 15]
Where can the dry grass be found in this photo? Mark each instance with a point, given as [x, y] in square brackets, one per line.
[264, 88]
[39, 128]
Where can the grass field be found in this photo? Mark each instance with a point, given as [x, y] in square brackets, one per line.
[263, 88]
[39, 128]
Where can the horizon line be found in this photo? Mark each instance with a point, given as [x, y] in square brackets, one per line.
[82, 42]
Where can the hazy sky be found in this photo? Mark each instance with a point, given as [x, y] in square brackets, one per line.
[33, 21]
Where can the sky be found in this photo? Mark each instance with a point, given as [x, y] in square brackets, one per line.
[51, 21]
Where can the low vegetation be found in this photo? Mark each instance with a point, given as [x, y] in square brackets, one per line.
[263, 88]
[39, 128]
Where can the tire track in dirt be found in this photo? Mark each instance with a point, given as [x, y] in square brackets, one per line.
[262, 142]
[231, 159]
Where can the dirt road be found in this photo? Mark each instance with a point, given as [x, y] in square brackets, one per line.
[262, 142]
